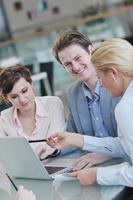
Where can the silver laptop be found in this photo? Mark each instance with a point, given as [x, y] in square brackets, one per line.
[20, 161]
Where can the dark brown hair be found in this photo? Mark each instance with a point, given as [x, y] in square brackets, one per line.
[9, 76]
[66, 38]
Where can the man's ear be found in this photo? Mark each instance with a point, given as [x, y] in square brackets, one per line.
[90, 49]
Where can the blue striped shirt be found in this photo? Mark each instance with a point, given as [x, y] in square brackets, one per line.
[95, 111]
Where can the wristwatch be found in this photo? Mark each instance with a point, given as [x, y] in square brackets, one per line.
[57, 152]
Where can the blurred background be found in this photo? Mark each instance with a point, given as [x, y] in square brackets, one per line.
[28, 29]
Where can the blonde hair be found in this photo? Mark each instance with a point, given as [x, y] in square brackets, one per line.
[116, 53]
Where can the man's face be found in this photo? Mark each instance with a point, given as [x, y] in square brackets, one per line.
[76, 61]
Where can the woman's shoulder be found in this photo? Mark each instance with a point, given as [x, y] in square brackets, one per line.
[7, 111]
[7, 115]
[49, 103]
[49, 100]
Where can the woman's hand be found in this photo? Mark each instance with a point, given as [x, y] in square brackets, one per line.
[85, 176]
[43, 150]
[89, 160]
[64, 139]
[24, 194]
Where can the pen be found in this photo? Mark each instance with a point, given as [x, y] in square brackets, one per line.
[108, 149]
[33, 141]
[84, 166]
[12, 182]
[74, 170]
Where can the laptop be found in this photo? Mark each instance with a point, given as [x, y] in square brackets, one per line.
[20, 161]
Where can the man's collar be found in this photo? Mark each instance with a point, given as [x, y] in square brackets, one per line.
[87, 91]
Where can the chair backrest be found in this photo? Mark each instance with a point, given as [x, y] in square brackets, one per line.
[48, 68]
[30, 67]
[3, 106]
[129, 39]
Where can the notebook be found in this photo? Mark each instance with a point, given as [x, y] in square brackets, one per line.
[20, 161]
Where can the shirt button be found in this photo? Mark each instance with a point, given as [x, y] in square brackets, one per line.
[97, 118]
[101, 134]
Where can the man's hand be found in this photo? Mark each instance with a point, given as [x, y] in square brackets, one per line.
[89, 160]
[85, 176]
[24, 194]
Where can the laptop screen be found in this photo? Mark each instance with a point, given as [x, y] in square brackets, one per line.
[52, 170]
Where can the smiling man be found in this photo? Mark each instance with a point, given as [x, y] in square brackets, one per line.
[91, 106]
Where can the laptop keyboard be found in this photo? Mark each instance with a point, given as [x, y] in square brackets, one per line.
[58, 170]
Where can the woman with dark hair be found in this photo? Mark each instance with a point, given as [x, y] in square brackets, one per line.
[32, 117]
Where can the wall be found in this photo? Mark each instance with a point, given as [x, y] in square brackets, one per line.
[30, 14]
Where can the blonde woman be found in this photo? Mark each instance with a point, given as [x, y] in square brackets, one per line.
[113, 60]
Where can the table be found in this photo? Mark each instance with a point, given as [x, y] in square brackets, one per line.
[66, 190]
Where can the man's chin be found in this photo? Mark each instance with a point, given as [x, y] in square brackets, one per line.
[81, 78]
